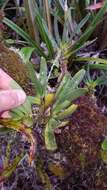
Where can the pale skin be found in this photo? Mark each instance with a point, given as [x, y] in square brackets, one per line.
[9, 98]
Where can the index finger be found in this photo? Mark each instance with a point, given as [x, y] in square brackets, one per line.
[5, 80]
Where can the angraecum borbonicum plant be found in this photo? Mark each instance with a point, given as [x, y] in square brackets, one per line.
[53, 108]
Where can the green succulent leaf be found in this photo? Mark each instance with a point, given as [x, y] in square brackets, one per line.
[68, 83]
[72, 94]
[34, 100]
[104, 145]
[65, 99]
[23, 110]
[67, 112]
[63, 85]
[26, 53]
[50, 140]
[68, 90]
[58, 107]
[23, 113]
[77, 78]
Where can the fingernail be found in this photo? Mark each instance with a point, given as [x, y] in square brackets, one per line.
[21, 96]
[5, 115]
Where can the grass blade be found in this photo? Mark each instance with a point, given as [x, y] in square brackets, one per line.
[43, 74]
[24, 35]
[89, 31]
[44, 34]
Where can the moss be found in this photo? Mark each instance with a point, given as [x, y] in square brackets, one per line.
[81, 143]
[12, 64]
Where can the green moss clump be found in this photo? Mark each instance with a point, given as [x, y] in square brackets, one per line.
[12, 64]
[80, 143]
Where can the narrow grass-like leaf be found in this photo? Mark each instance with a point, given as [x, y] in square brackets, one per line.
[102, 80]
[61, 3]
[6, 172]
[58, 12]
[89, 30]
[82, 23]
[98, 66]
[18, 126]
[30, 7]
[57, 36]
[93, 59]
[44, 34]
[24, 35]
[43, 75]
[50, 36]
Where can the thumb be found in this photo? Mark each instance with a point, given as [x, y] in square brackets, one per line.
[10, 99]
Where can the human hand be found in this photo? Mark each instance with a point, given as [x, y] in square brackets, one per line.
[9, 98]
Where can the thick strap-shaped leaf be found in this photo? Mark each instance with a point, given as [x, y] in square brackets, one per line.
[77, 78]
[23, 110]
[50, 140]
[73, 94]
[67, 112]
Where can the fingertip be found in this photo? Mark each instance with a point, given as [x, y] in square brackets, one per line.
[10, 99]
[5, 80]
[5, 115]
[21, 96]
